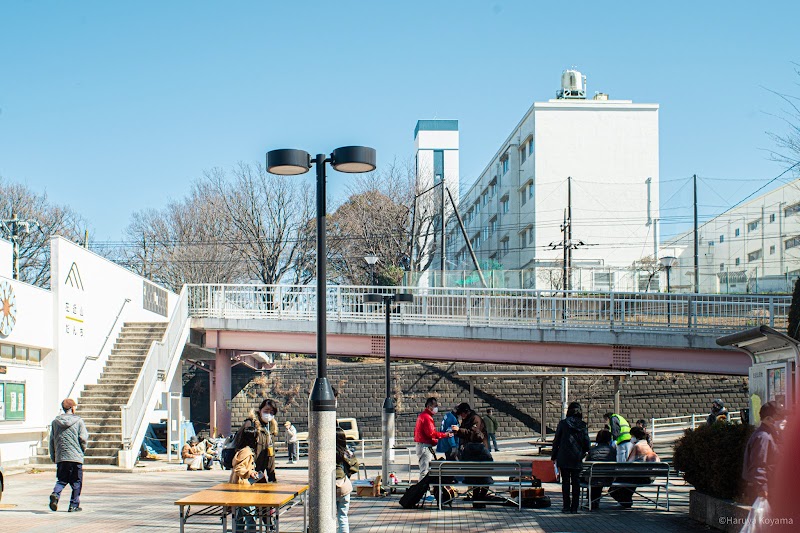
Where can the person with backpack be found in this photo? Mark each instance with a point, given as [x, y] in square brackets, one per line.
[346, 466]
[570, 444]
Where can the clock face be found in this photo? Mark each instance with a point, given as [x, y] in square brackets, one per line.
[8, 309]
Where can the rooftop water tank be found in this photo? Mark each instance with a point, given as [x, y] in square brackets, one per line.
[573, 84]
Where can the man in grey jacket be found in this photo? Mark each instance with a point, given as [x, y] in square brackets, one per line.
[68, 439]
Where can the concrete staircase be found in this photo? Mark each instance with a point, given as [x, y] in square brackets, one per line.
[99, 405]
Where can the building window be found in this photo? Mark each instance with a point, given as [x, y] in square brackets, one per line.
[493, 188]
[477, 207]
[504, 245]
[523, 198]
[711, 243]
[736, 232]
[10, 353]
[603, 281]
[530, 236]
[791, 210]
[752, 256]
[722, 267]
[484, 197]
[523, 239]
[752, 226]
[438, 165]
[772, 250]
[772, 218]
[523, 154]
[504, 204]
[493, 226]
[721, 239]
[792, 243]
[485, 232]
[504, 164]
[476, 241]
[737, 261]
[530, 146]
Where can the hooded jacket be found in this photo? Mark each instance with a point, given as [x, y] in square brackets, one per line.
[243, 466]
[571, 443]
[68, 438]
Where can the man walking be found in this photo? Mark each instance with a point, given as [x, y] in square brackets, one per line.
[426, 436]
[68, 440]
[621, 433]
[491, 428]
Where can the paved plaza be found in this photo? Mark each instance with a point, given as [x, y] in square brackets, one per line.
[142, 501]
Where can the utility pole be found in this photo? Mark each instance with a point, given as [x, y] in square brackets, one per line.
[15, 228]
[696, 242]
[568, 280]
[567, 245]
[444, 259]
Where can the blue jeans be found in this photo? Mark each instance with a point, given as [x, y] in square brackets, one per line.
[493, 442]
[342, 508]
[69, 473]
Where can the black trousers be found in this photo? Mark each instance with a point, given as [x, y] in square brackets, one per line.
[570, 482]
[69, 473]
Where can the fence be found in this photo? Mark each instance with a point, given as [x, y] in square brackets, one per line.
[616, 311]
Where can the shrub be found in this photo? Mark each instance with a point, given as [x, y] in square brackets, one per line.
[710, 458]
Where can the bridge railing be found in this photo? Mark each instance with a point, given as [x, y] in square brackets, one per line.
[616, 311]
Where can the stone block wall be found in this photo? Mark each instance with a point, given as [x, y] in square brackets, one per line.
[517, 402]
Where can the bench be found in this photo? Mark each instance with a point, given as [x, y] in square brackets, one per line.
[623, 475]
[441, 471]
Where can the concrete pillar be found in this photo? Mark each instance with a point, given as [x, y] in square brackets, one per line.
[212, 400]
[222, 391]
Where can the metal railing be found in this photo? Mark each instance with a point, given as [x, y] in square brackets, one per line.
[100, 351]
[513, 308]
[674, 425]
[160, 358]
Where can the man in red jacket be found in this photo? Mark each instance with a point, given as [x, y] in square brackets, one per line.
[426, 436]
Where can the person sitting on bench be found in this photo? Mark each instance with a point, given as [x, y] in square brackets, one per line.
[640, 452]
[474, 447]
[602, 451]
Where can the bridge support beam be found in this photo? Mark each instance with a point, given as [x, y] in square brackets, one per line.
[222, 391]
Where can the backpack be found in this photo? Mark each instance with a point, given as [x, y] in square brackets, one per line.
[415, 493]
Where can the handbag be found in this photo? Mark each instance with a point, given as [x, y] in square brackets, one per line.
[343, 487]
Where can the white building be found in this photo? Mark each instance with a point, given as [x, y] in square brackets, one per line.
[436, 145]
[754, 247]
[608, 150]
[53, 342]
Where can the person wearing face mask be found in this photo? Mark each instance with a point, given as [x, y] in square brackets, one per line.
[265, 451]
[426, 436]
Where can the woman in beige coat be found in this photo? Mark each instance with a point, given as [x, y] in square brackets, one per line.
[244, 465]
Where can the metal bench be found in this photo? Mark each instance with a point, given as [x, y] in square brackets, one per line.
[441, 471]
[626, 473]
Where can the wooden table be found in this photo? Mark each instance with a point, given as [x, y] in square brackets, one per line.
[222, 499]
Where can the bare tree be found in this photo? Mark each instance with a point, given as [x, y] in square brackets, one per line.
[268, 221]
[788, 144]
[183, 243]
[48, 220]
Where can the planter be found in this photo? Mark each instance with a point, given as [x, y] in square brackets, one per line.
[724, 515]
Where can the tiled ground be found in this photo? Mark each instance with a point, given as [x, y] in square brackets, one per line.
[143, 502]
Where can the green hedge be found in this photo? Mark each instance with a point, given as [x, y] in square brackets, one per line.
[710, 458]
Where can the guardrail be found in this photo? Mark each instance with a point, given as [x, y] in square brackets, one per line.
[156, 368]
[520, 308]
[676, 424]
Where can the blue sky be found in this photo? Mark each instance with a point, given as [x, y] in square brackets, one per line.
[114, 107]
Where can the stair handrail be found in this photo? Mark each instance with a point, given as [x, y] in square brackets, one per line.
[156, 367]
[100, 352]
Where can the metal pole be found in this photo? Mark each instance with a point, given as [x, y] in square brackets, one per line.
[321, 402]
[564, 393]
[616, 394]
[444, 260]
[697, 242]
[543, 421]
[388, 402]
[669, 302]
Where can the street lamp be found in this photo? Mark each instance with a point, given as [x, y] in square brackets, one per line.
[668, 262]
[388, 403]
[322, 403]
[371, 260]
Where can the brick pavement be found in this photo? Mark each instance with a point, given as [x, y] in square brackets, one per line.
[143, 502]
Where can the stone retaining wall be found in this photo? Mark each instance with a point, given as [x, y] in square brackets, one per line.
[517, 402]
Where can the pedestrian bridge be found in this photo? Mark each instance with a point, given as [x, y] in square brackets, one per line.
[629, 331]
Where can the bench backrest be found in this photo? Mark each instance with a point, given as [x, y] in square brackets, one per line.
[475, 468]
[598, 469]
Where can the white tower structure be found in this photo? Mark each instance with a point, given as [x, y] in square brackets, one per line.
[436, 143]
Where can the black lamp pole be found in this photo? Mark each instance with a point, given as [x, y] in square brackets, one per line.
[388, 402]
[321, 402]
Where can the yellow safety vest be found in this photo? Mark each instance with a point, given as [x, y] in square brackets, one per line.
[624, 429]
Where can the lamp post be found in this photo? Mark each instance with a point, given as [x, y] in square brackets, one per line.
[668, 262]
[321, 402]
[388, 402]
[371, 260]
